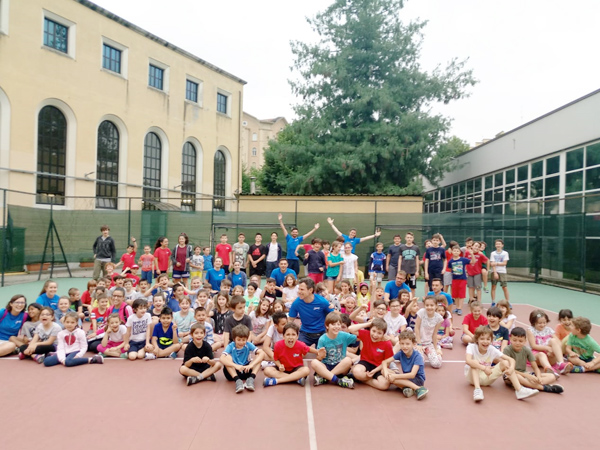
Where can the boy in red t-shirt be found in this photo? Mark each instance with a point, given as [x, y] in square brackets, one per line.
[375, 350]
[474, 271]
[288, 356]
[223, 251]
[471, 322]
[147, 262]
[128, 259]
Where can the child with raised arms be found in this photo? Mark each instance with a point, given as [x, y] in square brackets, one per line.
[409, 311]
[334, 262]
[518, 351]
[241, 359]
[412, 378]
[137, 338]
[198, 360]
[165, 341]
[426, 332]
[44, 337]
[479, 368]
[336, 362]
[71, 346]
[582, 349]
[545, 346]
[374, 351]
[288, 356]
[270, 290]
[113, 341]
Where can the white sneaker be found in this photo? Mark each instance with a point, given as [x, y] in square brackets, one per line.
[477, 395]
[525, 392]
[394, 367]
[265, 364]
[149, 356]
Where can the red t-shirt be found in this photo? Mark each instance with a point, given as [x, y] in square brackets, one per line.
[128, 260]
[223, 251]
[374, 352]
[101, 319]
[473, 324]
[147, 261]
[86, 298]
[290, 357]
[134, 278]
[163, 255]
[475, 269]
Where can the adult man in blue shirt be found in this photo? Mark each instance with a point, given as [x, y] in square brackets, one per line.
[392, 288]
[312, 310]
[437, 286]
[351, 236]
[280, 274]
[293, 241]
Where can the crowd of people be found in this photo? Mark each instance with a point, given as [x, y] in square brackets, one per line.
[216, 311]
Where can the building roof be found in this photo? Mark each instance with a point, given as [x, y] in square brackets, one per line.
[155, 38]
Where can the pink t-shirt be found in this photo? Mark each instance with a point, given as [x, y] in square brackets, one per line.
[163, 255]
[147, 262]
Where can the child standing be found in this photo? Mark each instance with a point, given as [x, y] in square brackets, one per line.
[435, 260]
[426, 332]
[71, 346]
[545, 346]
[481, 354]
[315, 261]
[412, 378]
[198, 360]
[350, 267]
[147, 263]
[196, 263]
[208, 259]
[377, 263]
[165, 341]
[498, 260]
[474, 271]
[105, 251]
[240, 251]
[334, 261]
[162, 256]
[113, 341]
[223, 251]
[137, 338]
[458, 267]
[409, 261]
[128, 258]
[241, 359]
[180, 259]
[582, 348]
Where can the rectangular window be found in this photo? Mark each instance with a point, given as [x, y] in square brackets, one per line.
[191, 91]
[592, 155]
[499, 179]
[552, 165]
[56, 35]
[489, 182]
[111, 58]
[522, 173]
[510, 176]
[221, 103]
[575, 159]
[155, 77]
[537, 169]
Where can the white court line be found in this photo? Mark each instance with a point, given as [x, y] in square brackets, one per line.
[549, 310]
[310, 418]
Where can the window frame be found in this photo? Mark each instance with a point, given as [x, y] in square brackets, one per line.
[124, 57]
[165, 72]
[103, 184]
[189, 177]
[43, 164]
[71, 33]
[155, 190]
[219, 181]
[227, 95]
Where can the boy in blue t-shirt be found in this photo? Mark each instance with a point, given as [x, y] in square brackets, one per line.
[239, 366]
[412, 378]
[165, 339]
[208, 259]
[435, 260]
[335, 363]
[377, 264]
[458, 268]
[293, 241]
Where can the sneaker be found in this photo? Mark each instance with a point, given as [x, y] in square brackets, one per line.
[123, 355]
[554, 388]
[149, 356]
[578, 369]
[493, 304]
[192, 380]
[524, 392]
[459, 312]
[477, 395]
[269, 381]
[565, 367]
[320, 380]
[552, 371]
[211, 378]
[173, 355]
[39, 358]
[265, 364]
[447, 346]
[302, 381]
[239, 386]
[346, 382]
[486, 290]
[455, 311]
[408, 392]
[249, 384]
[421, 392]
[21, 355]
[97, 359]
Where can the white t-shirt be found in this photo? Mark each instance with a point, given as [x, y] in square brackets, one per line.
[138, 326]
[275, 335]
[273, 252]
[133, 295]
[44, 334]
[258, 323]
[428, 325]
[394, 324]
[348, 267]
[508, 319]
[117, 336]
[290, 293]
[485, 359]
[499, 257]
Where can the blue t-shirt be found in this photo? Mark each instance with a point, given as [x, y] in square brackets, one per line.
[208, 264]
[445, 294]
[458, 267]
[436, 257]
[377, 262]
[393, 290]
[354, 241]
[173, 303]
[164, 338]
[214, 278]
[292, 244]
[280, 277]
[311, 314]
[44, 300]
[336, 348]
[237, 279]
[240, 356]
[11, 325]
[407, 363]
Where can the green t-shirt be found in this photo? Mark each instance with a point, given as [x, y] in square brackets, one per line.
[334, 271]
[254, 301]
[585, 347]
[520, 358]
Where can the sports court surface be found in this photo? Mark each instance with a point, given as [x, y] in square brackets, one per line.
[146, 404]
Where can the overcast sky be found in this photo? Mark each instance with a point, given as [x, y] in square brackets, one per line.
[530, 56]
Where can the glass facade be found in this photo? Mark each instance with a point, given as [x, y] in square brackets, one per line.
[188, 177]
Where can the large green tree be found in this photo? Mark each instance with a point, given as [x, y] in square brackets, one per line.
[364, 120]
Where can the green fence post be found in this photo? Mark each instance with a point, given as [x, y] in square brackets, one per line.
[129, 221]
[583, 251]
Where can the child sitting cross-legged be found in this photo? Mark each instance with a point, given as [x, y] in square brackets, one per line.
[481, 354]
[113, 340]
[412, 378]
[522, 354]
[239, 366]
[165, 341]
[582, 348]
[288, 353]
[198, 360]
[375, 350]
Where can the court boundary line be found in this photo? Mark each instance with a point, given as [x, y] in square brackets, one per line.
[545, 309]
[310, 417]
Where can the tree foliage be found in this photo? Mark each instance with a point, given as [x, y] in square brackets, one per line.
[364, 121]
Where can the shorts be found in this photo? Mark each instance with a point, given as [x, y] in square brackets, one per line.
[177, 274]
[147, 275]
[459, 289]
[484, 379]
[330, 367]
[501, 280]
[418, 381]
[378, 277]
[136, 346]
[367, 365]
[241, 375]
[331, 278]
[474, 281]
[316, 277]
[197, 273]
[392, 271]
[447, 278]
[411, 280]
[293, 370]
[199, 367]
[310, 338]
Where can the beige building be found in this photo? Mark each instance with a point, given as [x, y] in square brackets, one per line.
[92, 105]
[255, 138]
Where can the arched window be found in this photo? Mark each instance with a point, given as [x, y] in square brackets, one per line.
[188, 177]
[52, 156]
[152, 164]
[219, 181]
[107, 166]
